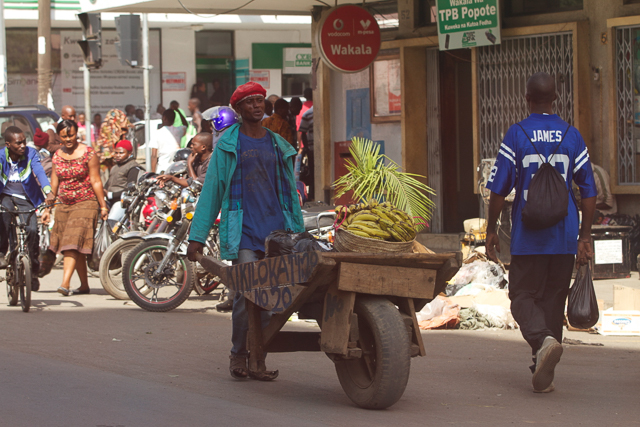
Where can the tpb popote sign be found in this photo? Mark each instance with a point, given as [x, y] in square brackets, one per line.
[468, 23]
[349, 39]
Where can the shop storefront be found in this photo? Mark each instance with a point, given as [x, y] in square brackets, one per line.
[457, 105]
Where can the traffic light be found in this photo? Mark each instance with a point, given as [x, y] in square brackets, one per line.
[129, 35]
[91, 43]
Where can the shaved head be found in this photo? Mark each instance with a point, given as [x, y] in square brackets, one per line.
[205, 139]
[68, 113]
[541, 89]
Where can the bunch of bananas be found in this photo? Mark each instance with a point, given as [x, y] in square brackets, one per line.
[381, 221]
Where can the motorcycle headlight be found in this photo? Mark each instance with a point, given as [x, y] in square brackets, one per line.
[126, 199]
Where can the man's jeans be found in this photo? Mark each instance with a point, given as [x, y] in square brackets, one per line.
[8, 232]
[239, 316]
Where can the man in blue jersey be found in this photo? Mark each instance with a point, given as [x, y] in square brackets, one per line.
[542, 260]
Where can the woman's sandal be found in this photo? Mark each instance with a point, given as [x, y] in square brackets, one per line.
[238, 367]
[64, 291]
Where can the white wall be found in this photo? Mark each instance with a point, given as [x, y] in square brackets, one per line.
[245, 38]
[178, 54]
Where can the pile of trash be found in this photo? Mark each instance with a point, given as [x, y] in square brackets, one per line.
[476, 298]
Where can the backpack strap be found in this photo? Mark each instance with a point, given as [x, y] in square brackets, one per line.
[534, 146]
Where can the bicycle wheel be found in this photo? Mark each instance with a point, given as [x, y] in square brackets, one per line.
[23, 279]
[154, 291]
[12, 293]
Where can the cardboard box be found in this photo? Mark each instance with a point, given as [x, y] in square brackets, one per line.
[625, 298]
[620, 322]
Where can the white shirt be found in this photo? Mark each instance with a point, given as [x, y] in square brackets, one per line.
[14, 186]
[167, 145]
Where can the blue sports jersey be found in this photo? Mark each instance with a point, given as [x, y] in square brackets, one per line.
[517, 163]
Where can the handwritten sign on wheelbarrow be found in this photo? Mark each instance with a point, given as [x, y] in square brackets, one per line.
[271, 283]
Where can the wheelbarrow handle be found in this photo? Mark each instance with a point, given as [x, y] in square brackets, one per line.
[210, 264]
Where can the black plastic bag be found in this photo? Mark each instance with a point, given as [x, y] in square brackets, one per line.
[101, 242]
[285, 242]
[582, 309]
[311, 244]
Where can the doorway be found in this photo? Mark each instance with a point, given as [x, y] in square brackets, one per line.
[458, 198]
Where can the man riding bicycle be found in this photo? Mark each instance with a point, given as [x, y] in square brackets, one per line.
[22, 184]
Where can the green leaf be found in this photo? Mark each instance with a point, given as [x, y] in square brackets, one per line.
[372, 175]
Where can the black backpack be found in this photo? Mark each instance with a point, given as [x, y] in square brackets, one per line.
[548, 196]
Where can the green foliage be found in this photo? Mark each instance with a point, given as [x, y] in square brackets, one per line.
[375, 176]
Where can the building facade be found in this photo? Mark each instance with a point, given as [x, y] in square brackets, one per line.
[457, 105]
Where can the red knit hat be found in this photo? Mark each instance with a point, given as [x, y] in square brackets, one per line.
[126, 144]
[40, 139]
[245, 91]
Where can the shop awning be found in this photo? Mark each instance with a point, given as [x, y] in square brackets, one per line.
[241, 7]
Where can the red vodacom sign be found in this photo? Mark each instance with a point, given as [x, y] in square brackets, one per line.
[349, 39]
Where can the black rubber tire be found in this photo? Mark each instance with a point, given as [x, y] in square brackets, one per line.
[142, 296]
[24, 279]
[111, 267]
[210, 282]
[209, 287]
[384, 341]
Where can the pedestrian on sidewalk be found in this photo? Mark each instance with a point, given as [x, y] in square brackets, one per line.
[75, 181]
[115, 128]
[165, 143]
[277, 122]
[251, 180]
[542, 260]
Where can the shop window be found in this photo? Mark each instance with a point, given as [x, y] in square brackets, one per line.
[214, 43]
[215, 65]
[628, 104]
[502, 73]
[534, 7]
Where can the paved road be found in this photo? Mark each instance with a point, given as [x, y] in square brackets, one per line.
[90, 360]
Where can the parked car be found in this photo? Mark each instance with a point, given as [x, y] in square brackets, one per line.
[28, 118]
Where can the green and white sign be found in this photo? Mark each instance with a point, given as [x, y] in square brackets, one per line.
[468, 23]
[297, 60]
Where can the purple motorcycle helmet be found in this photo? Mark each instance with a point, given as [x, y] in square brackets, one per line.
[221, 117]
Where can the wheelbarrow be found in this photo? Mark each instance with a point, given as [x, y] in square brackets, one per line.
[364, 303]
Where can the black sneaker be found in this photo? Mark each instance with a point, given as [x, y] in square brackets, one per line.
[35, 284]
[3, 262]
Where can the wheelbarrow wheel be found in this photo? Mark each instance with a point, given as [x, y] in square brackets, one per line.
[378, 379]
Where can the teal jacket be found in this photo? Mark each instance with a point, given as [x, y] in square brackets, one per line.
[215, 195]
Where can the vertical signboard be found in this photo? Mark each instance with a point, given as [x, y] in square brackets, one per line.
[468, 23]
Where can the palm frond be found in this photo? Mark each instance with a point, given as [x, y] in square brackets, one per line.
[372, 175]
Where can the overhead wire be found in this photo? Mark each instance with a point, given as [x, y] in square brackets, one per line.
[216, 14]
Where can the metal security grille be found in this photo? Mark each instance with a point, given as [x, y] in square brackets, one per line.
[503, 71]
[625, 41]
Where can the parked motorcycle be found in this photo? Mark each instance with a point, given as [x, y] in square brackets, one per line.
[156, 273]
[131, 228]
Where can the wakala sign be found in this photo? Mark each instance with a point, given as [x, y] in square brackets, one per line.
[349, 39]
[468, 23]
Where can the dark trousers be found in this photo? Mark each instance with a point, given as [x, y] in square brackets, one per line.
[8, 231]
[538, 288]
